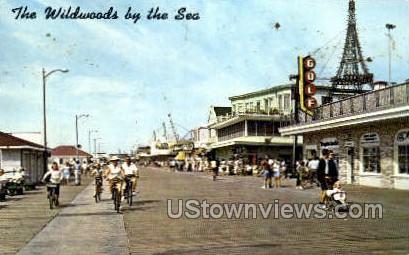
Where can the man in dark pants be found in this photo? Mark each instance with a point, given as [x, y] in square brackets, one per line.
[327, 173]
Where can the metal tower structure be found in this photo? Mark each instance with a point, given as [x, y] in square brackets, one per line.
[172, 125]
[352, 72]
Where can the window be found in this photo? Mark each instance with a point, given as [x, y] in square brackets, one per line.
[287, 102]
[402, 146]
[371, 156]
[371, 160]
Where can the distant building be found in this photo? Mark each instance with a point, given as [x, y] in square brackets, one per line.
[16, 153]
[68, 153]
[251, 129]
[368, 133]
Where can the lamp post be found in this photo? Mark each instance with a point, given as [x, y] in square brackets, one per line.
[45, 76]
[390, 27]
[77, 117]
[89, 139]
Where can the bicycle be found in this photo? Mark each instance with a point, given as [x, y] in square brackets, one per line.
[52, 195]
[116, 194]
[98, 188]
[128, 189]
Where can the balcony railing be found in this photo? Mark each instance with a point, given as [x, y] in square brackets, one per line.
[273, 112]
[372, 101]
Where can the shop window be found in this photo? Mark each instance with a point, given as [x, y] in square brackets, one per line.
[402, 143]
[371, 156]
[371, 160]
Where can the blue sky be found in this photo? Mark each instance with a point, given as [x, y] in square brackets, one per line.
[129, 76]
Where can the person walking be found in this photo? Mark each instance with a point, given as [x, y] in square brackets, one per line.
[215, 168]
[66, 173]
[312, 165]
[327, 174]
[277, 174]
[77, 173]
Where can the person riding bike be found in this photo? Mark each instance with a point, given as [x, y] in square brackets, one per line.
[97, 172]
[132, 172]
[115, 175]
[54, 175]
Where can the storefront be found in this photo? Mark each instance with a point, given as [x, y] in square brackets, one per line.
[366, 154]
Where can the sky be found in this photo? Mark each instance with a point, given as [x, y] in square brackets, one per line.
[128, 76]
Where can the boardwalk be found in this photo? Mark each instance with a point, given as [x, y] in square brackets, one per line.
[84, 227]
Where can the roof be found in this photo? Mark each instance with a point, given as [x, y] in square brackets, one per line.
[272, 90]
[68, 150]
[7, 140]
[221, 110]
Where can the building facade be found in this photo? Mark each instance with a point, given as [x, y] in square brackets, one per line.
[16, 153]
[369, 134]
[68, 153]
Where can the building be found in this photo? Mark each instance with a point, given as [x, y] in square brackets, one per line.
[16, 153]
[68, 153]
[215, 113]
[252, 127]
[369, 134]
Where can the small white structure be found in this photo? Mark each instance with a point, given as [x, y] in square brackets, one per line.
[16, 153]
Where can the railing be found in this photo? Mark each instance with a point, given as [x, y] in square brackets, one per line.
[372, 101]
[255, 113]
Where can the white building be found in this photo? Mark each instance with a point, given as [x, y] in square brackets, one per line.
[16, 153]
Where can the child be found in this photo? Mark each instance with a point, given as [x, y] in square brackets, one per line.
[337, 193]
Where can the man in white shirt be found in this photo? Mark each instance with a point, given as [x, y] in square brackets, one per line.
[131, 171]
[115, 171]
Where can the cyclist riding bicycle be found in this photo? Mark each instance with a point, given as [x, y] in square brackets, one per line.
[97, 172]
[54, 175]
[115, 175]
[132, 172]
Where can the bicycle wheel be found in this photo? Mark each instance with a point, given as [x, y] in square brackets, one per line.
[96, 195]
[115, 198]
[50, 199]
[55, 199]
[118, 201]
[129, 195]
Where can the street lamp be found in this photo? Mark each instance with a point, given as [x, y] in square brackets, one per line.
[77, 117]
[390, 27]
[45, 76]
[89, 139]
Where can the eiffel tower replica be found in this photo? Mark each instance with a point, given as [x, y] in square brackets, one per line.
[352, 72]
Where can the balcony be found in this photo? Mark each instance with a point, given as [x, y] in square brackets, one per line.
[386, 103]
[377, 100]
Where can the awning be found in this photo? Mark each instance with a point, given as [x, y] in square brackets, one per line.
[181, 155]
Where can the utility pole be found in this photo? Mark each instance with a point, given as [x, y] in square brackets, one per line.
[77, 117]
[390, 27]
[95, 146]
[89, 139]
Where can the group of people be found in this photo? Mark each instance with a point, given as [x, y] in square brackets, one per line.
[324, 170]
[272, 168]
[232, 166]
[114, 172]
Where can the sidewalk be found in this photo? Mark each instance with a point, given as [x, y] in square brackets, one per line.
[83, 227]
[22, 217]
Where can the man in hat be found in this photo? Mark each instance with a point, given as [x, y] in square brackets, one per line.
[115, 172]
[131, 171]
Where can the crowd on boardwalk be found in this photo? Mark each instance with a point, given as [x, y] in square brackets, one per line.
[315, 171]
